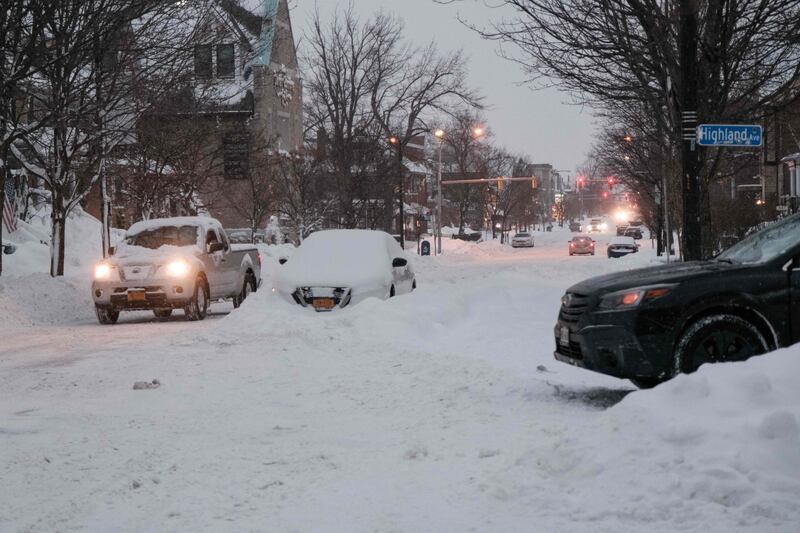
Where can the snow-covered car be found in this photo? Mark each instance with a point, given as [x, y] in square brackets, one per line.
[174, 263]
[621, 246]
[522, 240]
[335, 268]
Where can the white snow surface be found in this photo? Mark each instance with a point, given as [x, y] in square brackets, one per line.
[442, 410]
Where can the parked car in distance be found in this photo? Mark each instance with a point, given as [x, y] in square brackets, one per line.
[650, 324]
[575, 227]
[522, 239]
[335, 268]
[634, 232]
[581, 245]
[174, 263]
[621, 246]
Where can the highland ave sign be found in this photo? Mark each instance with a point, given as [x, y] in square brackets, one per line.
[731, 135]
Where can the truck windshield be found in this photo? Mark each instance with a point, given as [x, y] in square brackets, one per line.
[154, 238]
[765, 245]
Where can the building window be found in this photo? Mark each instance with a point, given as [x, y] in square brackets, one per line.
[236, 153]
[202, 61]
[226, 68]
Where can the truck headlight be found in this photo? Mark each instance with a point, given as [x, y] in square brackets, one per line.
[631, 298]
[177, 269]
[102, 271]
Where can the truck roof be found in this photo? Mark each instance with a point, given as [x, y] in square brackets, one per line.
[205, 223]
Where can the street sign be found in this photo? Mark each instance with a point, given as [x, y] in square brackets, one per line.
[782, 208]
[731, 135]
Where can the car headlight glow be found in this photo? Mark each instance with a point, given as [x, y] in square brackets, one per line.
[631, 298]
[603, 226]
[102, 271]
[177, 269]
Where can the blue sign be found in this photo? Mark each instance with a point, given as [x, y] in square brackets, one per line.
[729, 135]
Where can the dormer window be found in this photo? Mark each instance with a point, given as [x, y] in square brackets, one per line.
[202, 61]
[226, 67]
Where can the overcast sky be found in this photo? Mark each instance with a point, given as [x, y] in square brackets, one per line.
[537, 123]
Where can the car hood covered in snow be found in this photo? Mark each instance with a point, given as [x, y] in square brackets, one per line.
[357, 259]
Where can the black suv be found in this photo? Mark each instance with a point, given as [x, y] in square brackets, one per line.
[649, 324]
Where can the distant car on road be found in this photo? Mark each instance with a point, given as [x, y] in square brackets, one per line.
[621, 229]
[581, 245]
[621, 246]
[596, 225]
[634, 232]
[575, 227]
[650, 324]
[174, 263]
[336, 268]
[522, 239]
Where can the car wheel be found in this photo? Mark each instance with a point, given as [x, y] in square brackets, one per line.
[105, 315]
[162, 313]
[197, 308]
[391, 292]
[248, 286]
[414, 285]
[717, 339]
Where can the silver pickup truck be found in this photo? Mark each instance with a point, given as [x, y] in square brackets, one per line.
[174, 263]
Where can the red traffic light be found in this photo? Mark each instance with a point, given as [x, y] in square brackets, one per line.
[605, 195]
[610, 183]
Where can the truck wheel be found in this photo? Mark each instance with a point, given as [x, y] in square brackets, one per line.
[162, 313]
[646, 383]
[717, 339]
[197, 308]
[248, 286]
[105, 315]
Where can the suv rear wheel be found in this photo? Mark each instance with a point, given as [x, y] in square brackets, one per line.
[716, 339]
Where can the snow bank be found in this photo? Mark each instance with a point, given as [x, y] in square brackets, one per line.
[83, 246]
[40, 300]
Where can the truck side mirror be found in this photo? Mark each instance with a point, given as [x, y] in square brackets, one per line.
[112, 250]
[216, 247]
[282, 260]
[399, 262]
[9, 249]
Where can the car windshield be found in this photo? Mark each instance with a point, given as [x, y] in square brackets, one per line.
[154, 238]
[765, 245]
[523, 234]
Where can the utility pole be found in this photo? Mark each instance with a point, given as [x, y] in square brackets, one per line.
[439, 196]
[395, 141]
[690, 173]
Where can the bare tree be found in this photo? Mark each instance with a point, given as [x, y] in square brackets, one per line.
[719, 59]
[90, 92]
[301, 196]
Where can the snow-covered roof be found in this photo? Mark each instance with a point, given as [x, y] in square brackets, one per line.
[201, 222]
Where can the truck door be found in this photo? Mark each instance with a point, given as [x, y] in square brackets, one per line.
[230, 265]
[214, 265]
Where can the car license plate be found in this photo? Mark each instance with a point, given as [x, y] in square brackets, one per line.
[137, 296]
[324, 304]
[564, 338]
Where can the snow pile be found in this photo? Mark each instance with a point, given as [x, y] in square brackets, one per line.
[83, 246]
[40, 300]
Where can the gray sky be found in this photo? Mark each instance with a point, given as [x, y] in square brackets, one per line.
[537, 123]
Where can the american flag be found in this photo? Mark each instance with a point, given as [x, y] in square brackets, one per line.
[10, 205]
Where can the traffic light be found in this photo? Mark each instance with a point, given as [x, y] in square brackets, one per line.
[499, 184]
[605, 195]
[581, 182]
[610, 183]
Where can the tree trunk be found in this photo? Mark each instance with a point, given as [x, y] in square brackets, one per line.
[57, 238]
[690, 177]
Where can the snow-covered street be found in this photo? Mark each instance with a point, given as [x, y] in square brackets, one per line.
[442, 410]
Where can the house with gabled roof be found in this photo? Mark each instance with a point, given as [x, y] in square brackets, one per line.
[244, 88]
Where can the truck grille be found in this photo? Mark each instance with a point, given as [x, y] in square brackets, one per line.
[573, 306]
